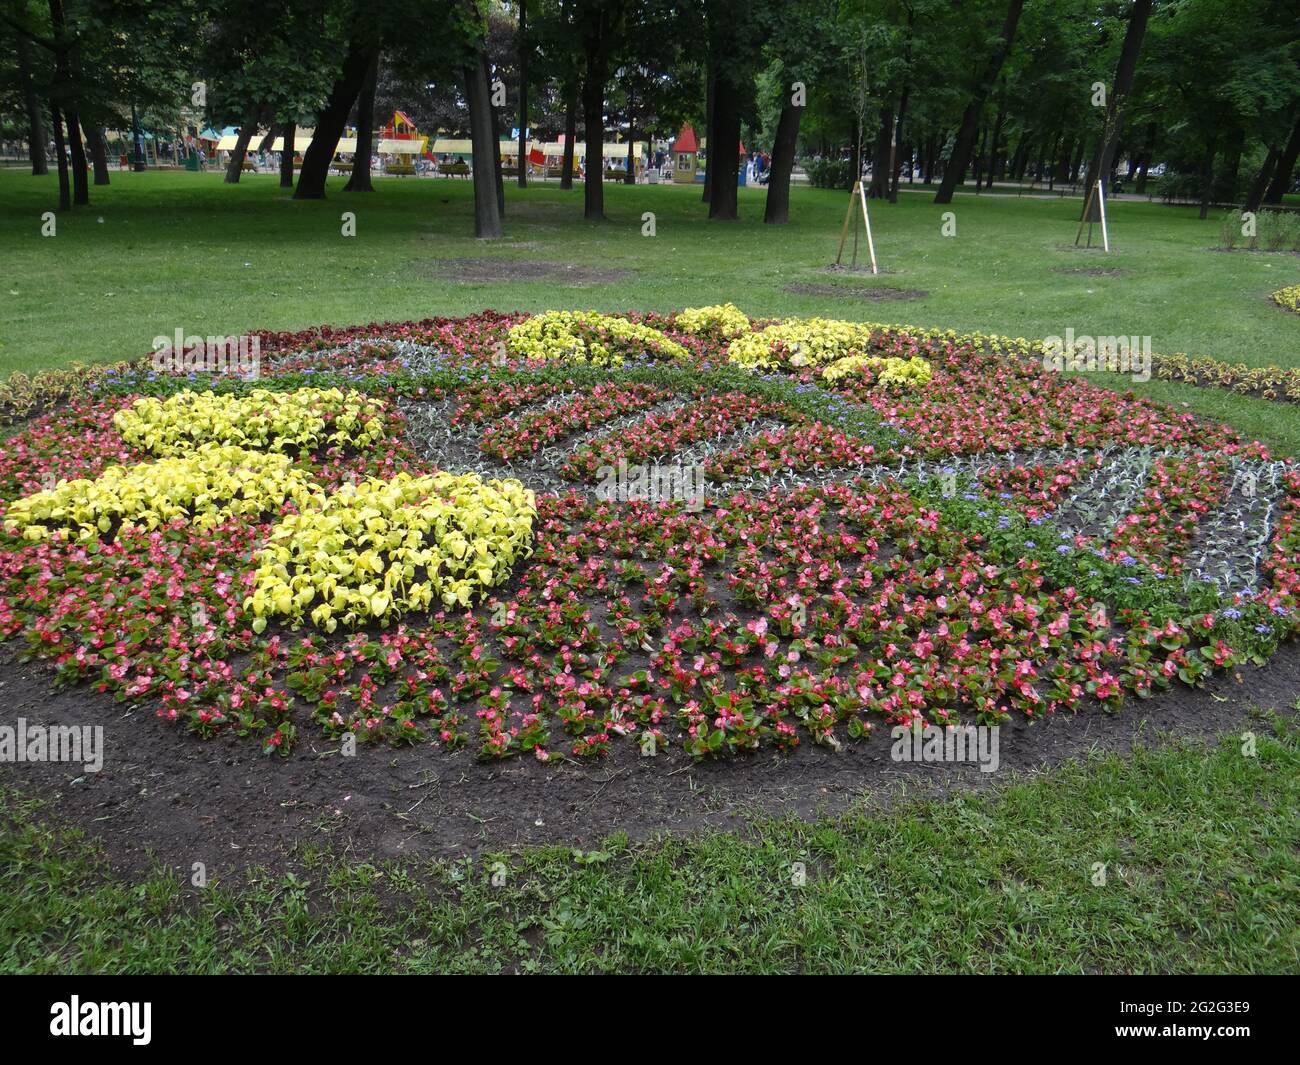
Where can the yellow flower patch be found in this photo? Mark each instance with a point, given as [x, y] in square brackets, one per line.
[380, 549]
[721, 320]
[904, 373]
[206, 487]
[799, 342]
[585, 336]
[302, 420]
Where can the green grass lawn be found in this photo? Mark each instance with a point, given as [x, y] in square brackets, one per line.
[156, 251]
[1200, 850]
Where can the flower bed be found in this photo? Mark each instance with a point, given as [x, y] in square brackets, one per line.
[1288, 297]
[982, 541]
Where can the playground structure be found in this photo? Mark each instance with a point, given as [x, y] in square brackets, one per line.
[689, 155]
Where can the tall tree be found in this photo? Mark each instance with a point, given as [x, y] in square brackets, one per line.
[1285, 167]
[61, 155]
[331, 119]
[235, 163]
[986, 76]
[67, 89]
[288, 146]
[31, 106]
[599, 26]
[486, 149]
[360, 181]
[1102, 162]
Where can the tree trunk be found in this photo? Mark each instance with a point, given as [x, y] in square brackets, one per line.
[65, 196]
[1103, 160]
[1061, 161]
[776, 211]
[630, 177]
[98, 153]
[1225, 181]
[880, 162]
[32, 106]
[523, 94]
[359, 180]
[724, 156]
[593, 119]
[570, 134]
[65, 78]
[961, 150]
[487, 216]
[235, 165]
[979, 157]
[80, 185]
[289, 133]
[1018, 161]
[1255, 198]
[1285, 167]
[329, 124]
[1077, 163]
[897, 161]
[498, 179]
[710, 130]
[991, 162]
[1207, 175]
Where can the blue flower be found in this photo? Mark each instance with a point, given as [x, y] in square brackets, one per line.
[1063, 550]
[1230, 614]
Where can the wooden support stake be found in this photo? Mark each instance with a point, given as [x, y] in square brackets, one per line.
[856, 198]
[866, 220]
[1085, 217]
[1101, 203]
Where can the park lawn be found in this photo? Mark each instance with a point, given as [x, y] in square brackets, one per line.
[1200, 849]
[158, 251]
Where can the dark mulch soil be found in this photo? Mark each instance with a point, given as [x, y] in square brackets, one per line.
[477, 271]
[851, 292]
[166, 796]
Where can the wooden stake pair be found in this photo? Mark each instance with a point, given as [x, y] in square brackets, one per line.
[858, 197]
[1098, 194]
